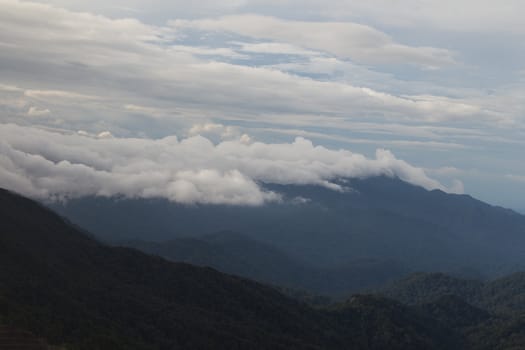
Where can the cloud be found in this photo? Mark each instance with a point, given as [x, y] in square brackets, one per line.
[275, 48]
[514, 177]
[85, 67]
[466, 16]
[159, 10]
[446, 171]
[36, 112]
[344, 39]
[213, 129]
[457, 187]
[105, 135]
[273, 69]
[46, 164]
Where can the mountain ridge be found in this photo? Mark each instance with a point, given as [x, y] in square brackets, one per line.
[244, 256]
[63, 286]
[381, 219]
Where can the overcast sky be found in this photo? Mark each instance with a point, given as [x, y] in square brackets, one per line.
[202, 101]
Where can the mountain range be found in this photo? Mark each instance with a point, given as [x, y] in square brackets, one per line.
[244, 256]
[376, 230]
[63, 286]
[60, 285]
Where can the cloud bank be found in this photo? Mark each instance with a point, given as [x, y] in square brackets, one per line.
[50, 164]
[440, 88]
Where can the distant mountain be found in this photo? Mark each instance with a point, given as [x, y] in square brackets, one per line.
[244, 256]
[61, 285]
[383, 220]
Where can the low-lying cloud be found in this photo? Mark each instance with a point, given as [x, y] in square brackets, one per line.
[56, 165]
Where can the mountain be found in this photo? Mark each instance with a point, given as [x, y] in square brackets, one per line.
[489, 315]
[61, 285]
[422, 288]
[504, 295]
[228, 252]
[244, 256]
[395, 225]
[15, 339]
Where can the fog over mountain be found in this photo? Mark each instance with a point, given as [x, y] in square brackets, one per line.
[262, 174]
[57, 165]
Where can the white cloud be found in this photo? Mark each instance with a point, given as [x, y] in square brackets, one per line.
[105, 135]
[211, 129]
[446, 15]
[352, 140]
[449, 15]
[344, 39]
[209, 51]
[9, 88]
[151, 9]
[57, 94]
[36, 112]
[275, 48]
[46, 164]
[284, 67]
[84, 68]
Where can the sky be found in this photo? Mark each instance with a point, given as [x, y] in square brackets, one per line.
[203, 101]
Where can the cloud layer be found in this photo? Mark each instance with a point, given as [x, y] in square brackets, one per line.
[440, 83]
[59, 165]
[347, 40]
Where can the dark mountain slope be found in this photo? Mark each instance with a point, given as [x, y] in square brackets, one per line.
[420, 288]
[455, 312]
[62, 285]
[460, 213]
[15, 339]
[397, 323]
[489, 315]
[501, 296]
[231, 253]
[505, 295]
[379, 219]
[241, 255]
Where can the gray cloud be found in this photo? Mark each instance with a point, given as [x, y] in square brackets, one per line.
[449, 15]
